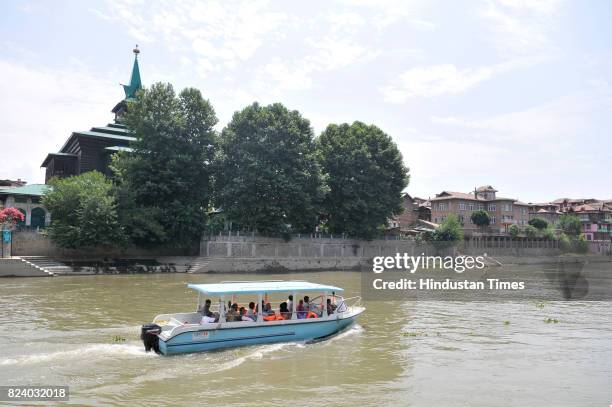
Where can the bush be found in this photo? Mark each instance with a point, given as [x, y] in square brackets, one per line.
[549, 233]
[565, 244]
[448, 233]
[580, 245]
[513, 230]
[531, 231]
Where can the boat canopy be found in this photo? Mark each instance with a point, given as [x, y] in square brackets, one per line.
[250, 287]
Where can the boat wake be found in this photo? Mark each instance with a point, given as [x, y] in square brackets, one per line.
[100, 350]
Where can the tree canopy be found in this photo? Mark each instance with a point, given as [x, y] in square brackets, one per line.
[448, 233]
[366, 175]
[570, 225]
[538, 223]
[481, 218]
[166, 181]
[84, 212]
[267, 178]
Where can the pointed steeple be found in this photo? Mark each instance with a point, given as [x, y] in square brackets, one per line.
[135, 83]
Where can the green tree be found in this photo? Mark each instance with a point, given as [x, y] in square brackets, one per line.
[538, 223]
[267, 177]
[513, 230]
[570, 225]
[549, 233]
[531, 231]
[83, 212]
[481, 218]
[448, 233]
[366, 176]
[166, 180]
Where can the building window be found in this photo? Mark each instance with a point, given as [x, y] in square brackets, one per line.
[481, 206]
[507, 207]
[442, 206]
[523, 211]
[492, 207]
[461, 206]
[471, 206]
[493, 220]
[461, 219]
[21, 199]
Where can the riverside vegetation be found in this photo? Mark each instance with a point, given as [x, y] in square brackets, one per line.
[265, 172]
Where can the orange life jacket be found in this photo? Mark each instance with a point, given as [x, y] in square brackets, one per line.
[311, 315]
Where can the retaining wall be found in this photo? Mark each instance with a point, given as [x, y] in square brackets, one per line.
[26, 243]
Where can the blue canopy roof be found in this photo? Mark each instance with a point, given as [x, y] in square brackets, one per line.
[251, 287]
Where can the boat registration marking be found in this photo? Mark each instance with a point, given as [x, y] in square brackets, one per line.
[200, 335]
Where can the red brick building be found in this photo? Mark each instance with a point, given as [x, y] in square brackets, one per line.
[502, 211]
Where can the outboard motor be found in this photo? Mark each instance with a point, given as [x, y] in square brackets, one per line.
[148, 334]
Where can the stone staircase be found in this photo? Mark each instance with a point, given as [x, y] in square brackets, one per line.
[18, 267]
[48, 264]
[199, 265]
[177, 264]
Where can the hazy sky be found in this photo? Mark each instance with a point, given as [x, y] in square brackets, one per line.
[513, 93]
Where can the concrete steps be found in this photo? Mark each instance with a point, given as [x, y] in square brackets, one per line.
[176, 264]
[19, 267]
[48, 264]
[199, 265]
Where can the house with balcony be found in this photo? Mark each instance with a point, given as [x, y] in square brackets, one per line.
[596, 220]
[502, 211]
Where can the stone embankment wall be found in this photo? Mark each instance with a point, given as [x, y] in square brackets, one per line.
[248, 253]
[36, 244]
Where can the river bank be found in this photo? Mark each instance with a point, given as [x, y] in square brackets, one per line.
[43, 266]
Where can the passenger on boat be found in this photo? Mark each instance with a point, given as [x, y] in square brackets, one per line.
[268, 310]
[243, 315]
[290, 305]
[330, 307]
[233, 315]
[205, 310]
[251, 313]
[301, 312]
[284, 311]
[306, 303]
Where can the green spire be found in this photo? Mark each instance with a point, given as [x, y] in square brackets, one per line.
[135, 83]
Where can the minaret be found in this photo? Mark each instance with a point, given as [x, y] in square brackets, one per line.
[130, 89]
[135, 83]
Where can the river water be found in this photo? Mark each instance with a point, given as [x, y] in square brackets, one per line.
[68, 331]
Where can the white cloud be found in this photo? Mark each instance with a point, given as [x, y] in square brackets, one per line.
[446, 79]
[521, 26]
[221, 34]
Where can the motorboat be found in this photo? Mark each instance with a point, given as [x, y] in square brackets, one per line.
[219, 322]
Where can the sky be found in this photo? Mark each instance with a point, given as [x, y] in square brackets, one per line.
[512, 93]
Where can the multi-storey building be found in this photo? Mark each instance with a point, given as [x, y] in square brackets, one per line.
[502, 211]
[596, 220]
[414, 209]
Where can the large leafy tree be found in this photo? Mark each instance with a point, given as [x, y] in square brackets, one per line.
[166, 181]
[83, 212]
[366, 176]
[267, 176]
